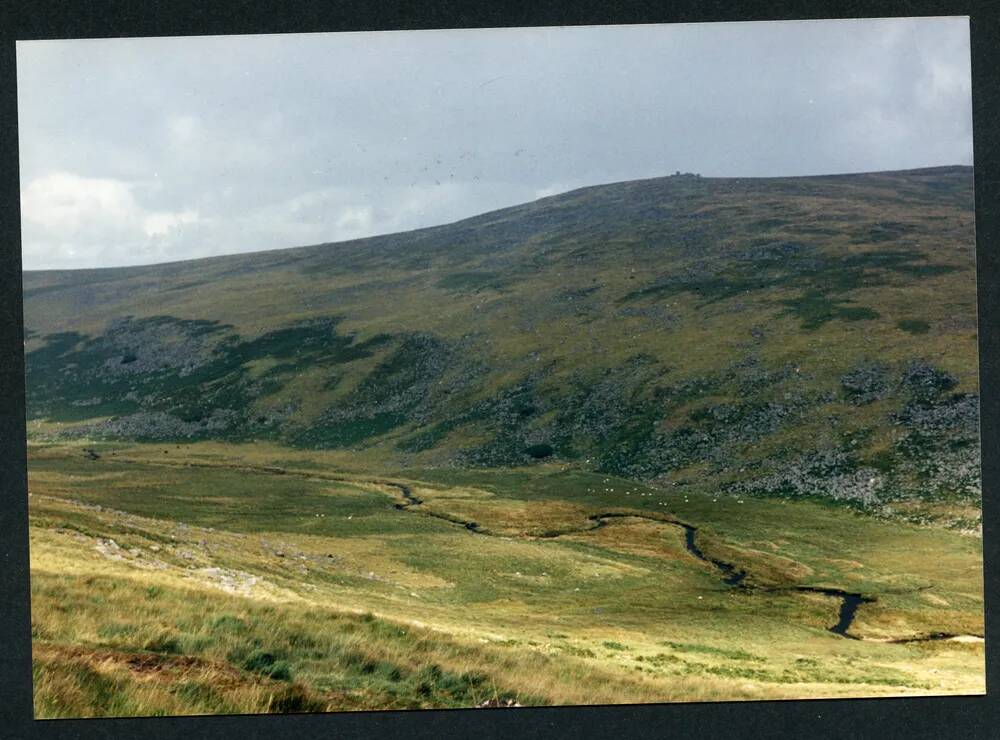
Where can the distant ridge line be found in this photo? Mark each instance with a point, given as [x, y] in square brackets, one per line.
[127, 270]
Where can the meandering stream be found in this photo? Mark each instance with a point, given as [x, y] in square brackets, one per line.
[731, 574]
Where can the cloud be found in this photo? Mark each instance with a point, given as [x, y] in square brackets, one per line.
[160, 224]
[66, 201]
[65, 216]
[183, 130]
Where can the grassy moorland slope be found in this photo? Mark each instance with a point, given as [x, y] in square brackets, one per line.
[667, 440]
[799, 336]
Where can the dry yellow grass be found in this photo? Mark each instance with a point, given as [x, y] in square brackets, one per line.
[620, 614]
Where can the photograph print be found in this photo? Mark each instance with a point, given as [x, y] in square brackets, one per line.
[498, 368]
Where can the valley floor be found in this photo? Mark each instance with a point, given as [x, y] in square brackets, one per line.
[210, 578]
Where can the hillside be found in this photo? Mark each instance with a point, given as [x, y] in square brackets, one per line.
[801, 337]
[682, 439]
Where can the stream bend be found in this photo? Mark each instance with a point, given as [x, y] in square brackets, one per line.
[731, 574]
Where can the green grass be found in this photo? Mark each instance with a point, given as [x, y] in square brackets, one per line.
[351, 618]
[914, 326]
[788, 365]
[472, 281]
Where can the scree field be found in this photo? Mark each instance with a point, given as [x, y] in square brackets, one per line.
[680, 439]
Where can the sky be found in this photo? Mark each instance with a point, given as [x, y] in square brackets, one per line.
[138, 151]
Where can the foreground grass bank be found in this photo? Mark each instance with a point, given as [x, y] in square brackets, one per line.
[212, 579]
